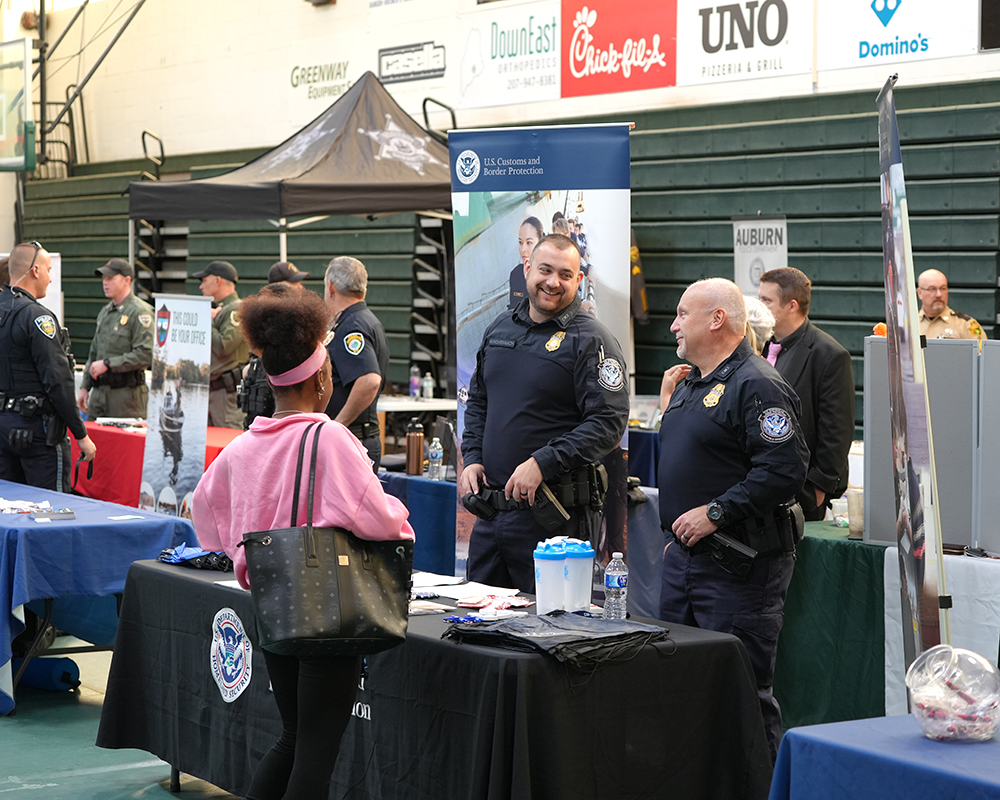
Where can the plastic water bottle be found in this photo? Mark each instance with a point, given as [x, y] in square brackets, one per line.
[615, 587]
[414, 381]
[435, 455]
[427, 387]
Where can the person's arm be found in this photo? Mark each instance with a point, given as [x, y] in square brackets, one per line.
[602, 390]
[88, 381]
[362, 394]
[53, 368]
[834, 400]
[475, 426]
[227, 338]
[671, 378]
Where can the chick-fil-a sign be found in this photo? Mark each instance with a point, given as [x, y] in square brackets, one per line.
[608, 47]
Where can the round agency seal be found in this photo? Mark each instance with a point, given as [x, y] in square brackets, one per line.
[231, 655]
[467, 167]
[775, 425]
[610, 374]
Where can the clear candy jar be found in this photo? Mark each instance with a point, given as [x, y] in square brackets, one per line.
[954, 694]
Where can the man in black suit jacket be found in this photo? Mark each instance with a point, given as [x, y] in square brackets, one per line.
[819, 370]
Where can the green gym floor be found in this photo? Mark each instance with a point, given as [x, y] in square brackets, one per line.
[47, 749]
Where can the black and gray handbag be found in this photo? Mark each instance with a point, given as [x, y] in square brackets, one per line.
[324, 591]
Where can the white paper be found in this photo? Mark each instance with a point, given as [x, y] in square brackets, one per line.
[422, 580]
[474, 590]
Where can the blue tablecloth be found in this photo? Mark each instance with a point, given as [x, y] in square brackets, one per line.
[432, 506]
[643, 455]
[882, 758]
[89, 556]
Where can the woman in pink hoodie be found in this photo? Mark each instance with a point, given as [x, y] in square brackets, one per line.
[250, 486]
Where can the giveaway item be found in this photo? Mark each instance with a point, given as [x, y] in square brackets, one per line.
[550, 563]
[954, 694]
[324, 591]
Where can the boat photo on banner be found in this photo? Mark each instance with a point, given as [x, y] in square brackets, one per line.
[174, 459]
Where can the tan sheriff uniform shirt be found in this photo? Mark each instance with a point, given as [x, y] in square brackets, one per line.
[950, 324]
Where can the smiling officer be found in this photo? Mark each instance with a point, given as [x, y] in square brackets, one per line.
[732, 458]
[547, 401]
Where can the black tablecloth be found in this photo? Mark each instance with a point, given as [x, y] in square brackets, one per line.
[437, 720]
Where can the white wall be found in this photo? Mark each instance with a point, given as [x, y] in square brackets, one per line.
[210, 75]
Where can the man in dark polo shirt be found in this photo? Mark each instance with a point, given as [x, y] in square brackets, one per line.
[359, 354]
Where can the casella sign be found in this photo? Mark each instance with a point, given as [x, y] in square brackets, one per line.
[606, 50]
[736, 41]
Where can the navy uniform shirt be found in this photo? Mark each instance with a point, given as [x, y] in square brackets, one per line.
[33, 356]
[555, 390]
[357, 348]
[732, 436]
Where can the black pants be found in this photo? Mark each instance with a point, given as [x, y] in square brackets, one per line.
[698, 592]
[36, 465]
[501, 551]
[373, 444]
[315, 697]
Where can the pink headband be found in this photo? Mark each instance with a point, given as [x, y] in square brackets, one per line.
[304, 370]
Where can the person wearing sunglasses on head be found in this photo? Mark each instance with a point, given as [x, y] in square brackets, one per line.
[37, 402]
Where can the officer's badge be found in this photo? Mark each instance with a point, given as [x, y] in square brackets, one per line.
[145, 320]
[610, 374]
[776, 426]
[233, 318]
[556, 341]
[711, 399]
[46, 325]
[354, 343]
[123, 320]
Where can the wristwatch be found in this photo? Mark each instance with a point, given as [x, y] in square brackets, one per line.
[716, 513]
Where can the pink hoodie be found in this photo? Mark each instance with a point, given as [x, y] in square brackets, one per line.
[249, 487]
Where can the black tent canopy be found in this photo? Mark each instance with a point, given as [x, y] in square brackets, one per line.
[363, 155]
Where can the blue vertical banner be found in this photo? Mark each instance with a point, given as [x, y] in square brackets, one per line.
[918, 526]
[510, 186]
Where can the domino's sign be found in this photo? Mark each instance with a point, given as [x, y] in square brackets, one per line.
[861, 33]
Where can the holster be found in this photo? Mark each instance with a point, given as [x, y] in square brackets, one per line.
[228, 380]
[55, 430]
[547, 510]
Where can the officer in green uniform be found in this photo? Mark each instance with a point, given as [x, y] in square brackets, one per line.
[229, 349]
[114, 379]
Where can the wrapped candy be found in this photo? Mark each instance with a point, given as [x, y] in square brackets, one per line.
[954, 694]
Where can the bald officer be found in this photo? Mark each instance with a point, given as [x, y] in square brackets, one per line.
[229, 348]
[937, 319]
[114, 378]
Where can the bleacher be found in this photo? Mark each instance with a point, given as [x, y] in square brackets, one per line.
[85, 218]
[813, 159]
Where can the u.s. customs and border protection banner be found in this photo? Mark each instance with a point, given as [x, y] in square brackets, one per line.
[918, 527]
[759, 244]
[177, 414]
[500, 179]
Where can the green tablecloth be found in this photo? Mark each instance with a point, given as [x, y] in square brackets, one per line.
[831, 655]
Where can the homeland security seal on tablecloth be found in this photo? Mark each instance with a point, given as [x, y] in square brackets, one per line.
[231, 655]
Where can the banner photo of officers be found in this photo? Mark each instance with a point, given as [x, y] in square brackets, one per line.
[542, 292]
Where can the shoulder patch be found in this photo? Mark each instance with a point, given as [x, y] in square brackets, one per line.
[610, 375]
[354, 343]
[145, 320]
[776, 425]
[234, 318]
[46, 325]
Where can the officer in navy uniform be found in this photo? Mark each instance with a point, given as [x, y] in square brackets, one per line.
[359, 354]
[37, 397]
[732, 459]
[547, 401]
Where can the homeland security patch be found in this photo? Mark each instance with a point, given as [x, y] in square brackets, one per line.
[775, 425]
[354, 343]
[611, 375]
[46, 325]
[231, 655]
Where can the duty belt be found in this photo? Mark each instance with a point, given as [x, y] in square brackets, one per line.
[579, 487]
[364, 430]
[234, 376]
[122, 380]
[28, 406]
[778, 532]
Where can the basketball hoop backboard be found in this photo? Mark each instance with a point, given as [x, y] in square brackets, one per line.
[17, 127]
